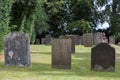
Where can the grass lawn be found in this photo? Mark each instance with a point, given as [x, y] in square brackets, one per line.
[41, 67]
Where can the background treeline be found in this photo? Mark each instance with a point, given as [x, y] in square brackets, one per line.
[58, 17]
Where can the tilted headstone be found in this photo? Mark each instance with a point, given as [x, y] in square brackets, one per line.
[61, 53]
[98, 37]
[88, 39]
[17, 49]
[112, 40]
[103, 58]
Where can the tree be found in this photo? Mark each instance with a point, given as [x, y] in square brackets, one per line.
[115, 20]
[28, 16]
[5, 9]
[79, 27]
[64, 12]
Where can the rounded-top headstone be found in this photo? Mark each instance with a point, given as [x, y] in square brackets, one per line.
[17, 49]
[103, 57]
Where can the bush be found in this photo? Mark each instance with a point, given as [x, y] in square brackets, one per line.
[5, 9]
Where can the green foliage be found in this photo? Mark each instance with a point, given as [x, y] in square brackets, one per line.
[29, 17]
[81, 26]
[42, 18]
[63, 12]
[5, 9]
[115, 17]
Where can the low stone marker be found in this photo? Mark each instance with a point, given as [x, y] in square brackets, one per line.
[17, 49]
[103, 58]
[87, 39]
[61, 53]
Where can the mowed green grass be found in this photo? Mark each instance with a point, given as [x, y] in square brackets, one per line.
[41, 67]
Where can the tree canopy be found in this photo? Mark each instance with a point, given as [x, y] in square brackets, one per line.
[58, 17]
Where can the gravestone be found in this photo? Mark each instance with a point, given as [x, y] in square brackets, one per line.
[37, 41]
[43, 41]
[17, 49]
[112, 40]
[51, 40]
[77, 39]
[103, 58]
[81, 40]
[72, 37]
[61, 53]
[48, 38]
[72, 41]
[87, 39]
[98, 37]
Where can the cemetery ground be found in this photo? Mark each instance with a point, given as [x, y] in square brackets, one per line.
[41, 67]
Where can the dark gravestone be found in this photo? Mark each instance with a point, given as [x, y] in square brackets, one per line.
[17, 50]
[61, 53]
[112, 40]
[103, 58]
[88, 39]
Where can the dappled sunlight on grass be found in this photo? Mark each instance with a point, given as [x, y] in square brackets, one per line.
[41, 67]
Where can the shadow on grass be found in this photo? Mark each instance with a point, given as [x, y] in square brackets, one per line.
[80, 67]
[48, 53]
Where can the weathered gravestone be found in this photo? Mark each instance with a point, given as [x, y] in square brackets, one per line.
[72, 41]
[112, 40]
[103, 58]
[61, 53]
[72, 37]
[52, 40]
[48, 38]
[43, 40]
[37, 41]
[77, 39]
[17, 50]
[99, 37]
[87, 39]
[81, 40]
